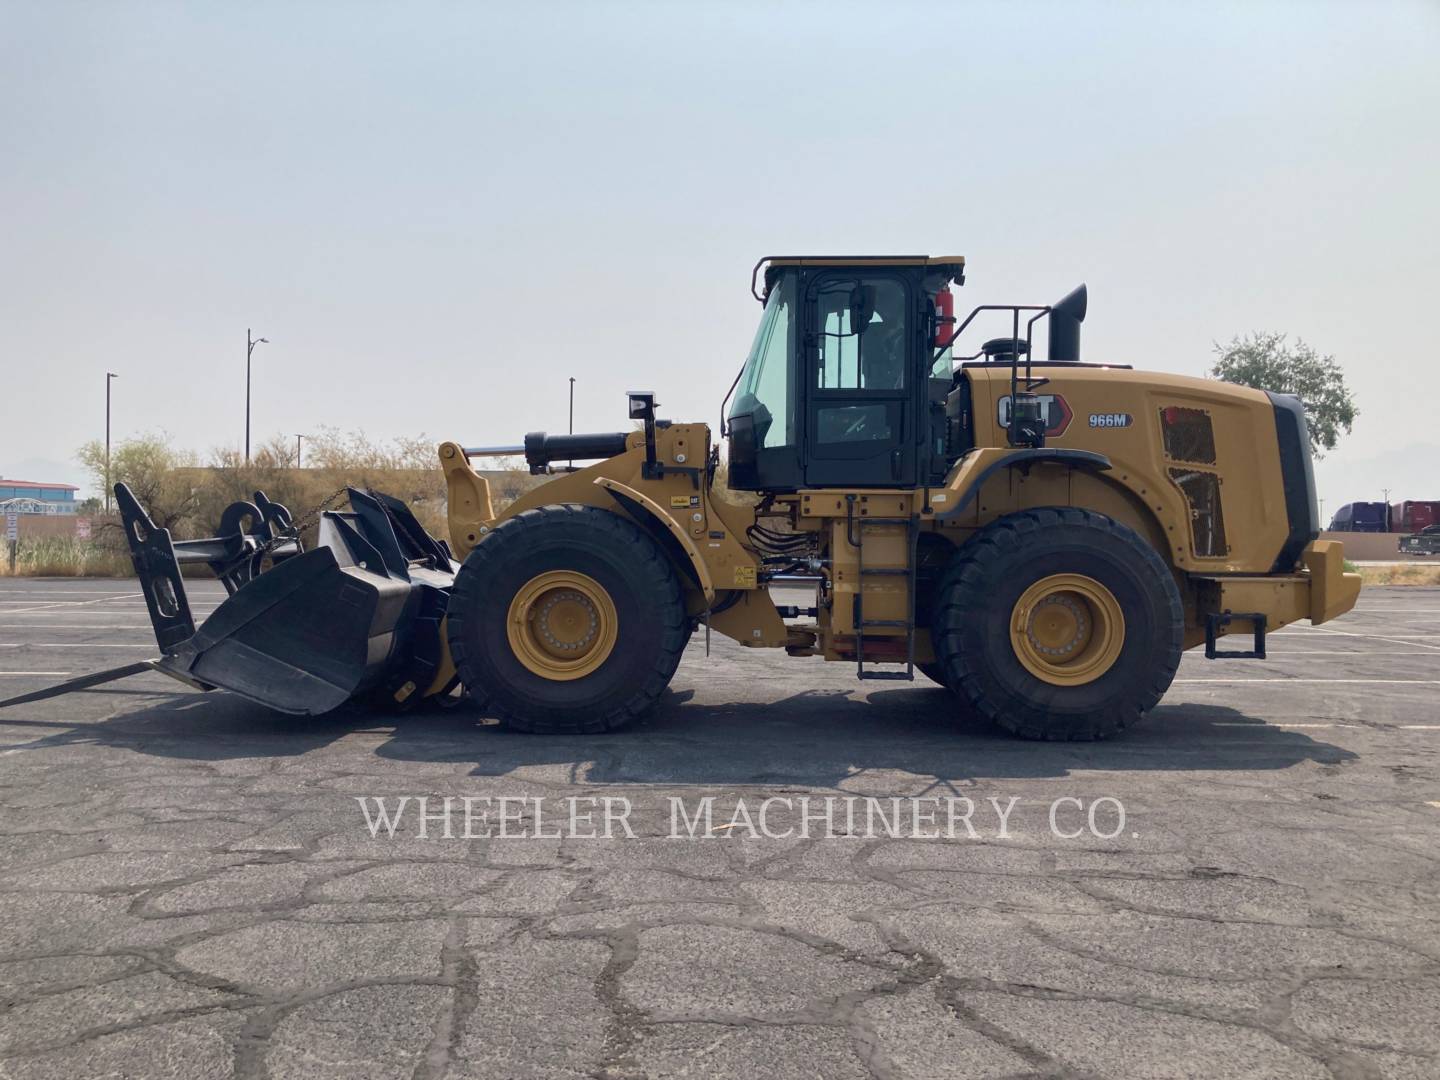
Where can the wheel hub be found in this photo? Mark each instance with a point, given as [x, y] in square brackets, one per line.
[562, 625]
[1058, 626]
[1067, 629]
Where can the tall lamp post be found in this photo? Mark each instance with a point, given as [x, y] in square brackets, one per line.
[108, 376]
[298, 437]
[249, 348]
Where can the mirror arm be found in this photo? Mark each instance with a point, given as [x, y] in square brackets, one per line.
[724, 428]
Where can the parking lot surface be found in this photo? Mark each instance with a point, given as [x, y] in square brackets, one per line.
[189, 887]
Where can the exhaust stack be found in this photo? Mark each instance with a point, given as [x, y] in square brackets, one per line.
[1066, 315]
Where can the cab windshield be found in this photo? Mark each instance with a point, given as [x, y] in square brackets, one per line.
[765, 384]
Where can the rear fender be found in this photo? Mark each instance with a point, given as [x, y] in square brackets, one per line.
[965, 483]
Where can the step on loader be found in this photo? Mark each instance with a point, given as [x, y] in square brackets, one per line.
[1041, 538]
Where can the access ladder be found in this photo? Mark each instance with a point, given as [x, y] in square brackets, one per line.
[855, 527]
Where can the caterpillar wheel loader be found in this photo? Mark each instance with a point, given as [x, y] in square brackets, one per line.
[1043, 538]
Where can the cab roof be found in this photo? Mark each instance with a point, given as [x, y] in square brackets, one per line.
[864, 260]
[954, 264]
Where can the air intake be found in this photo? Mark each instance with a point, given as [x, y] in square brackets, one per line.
[1002, 350]
[1188, 434]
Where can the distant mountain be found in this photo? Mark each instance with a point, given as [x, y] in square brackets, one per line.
[47, 470]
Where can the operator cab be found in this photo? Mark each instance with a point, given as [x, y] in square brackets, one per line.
[837, 390]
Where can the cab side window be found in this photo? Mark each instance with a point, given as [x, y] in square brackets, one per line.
[861, 335]
[861, 353]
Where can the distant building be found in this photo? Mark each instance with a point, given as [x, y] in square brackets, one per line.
[48, 498]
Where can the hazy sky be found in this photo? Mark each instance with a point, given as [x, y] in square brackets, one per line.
[439, 212]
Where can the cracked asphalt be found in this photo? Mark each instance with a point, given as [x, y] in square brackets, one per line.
[188, 887]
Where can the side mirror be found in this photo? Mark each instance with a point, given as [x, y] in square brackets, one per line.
[642, 404]
[862, 307]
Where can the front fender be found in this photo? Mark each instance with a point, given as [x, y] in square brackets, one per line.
[641, 506]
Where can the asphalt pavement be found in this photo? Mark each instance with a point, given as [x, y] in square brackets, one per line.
[190, 887]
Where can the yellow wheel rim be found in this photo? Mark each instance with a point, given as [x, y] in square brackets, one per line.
[562, 625]
[1067, 629]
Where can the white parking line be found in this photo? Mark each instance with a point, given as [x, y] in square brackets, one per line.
[32, 597]
[1303, 629]
[128, 606]
[93, 613]
[1411, 616]
[1276, 723]
[78, 603]
[1383, 605]
[1372, 637]
[1404, 639]
[73, 626]
[50, 606]
[69, 645]
[1335, 681]
[1273, 655]
[1420, 727]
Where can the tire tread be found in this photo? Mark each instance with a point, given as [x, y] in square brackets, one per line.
[964, 583]
[516, 532]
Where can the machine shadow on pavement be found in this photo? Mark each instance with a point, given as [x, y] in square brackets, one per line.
[814, 738]
[820, 738]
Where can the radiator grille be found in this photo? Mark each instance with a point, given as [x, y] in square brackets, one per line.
[1207, 521]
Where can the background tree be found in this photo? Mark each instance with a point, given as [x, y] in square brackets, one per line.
[1267, 361]
[188, 498]
[148, 464]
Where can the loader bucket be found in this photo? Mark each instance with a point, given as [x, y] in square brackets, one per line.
[303, 637]
[360, 613]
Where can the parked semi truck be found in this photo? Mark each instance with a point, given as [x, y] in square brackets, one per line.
[1362, 517]
[1413, 517]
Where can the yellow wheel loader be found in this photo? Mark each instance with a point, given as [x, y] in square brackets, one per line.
[1041, 537]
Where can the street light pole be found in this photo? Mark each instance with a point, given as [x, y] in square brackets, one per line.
[298, 437]
[249, 348]
[108, 376]
[572, 404]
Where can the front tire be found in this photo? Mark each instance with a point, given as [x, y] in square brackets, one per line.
[1059, 623]
[932, 670]
[566, 619]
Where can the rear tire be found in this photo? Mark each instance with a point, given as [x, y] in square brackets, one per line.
[558, 568]
[1059, 623]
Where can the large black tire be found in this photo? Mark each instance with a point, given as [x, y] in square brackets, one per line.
[932, 558]
[612, 552]
[932, 670]
[987, 578]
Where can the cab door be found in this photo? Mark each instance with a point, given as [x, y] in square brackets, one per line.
[859, 376]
